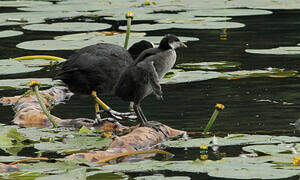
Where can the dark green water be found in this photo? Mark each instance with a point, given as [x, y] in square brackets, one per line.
[252, 104]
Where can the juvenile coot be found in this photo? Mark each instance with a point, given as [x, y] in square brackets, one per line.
[142, 77]
[97, 68]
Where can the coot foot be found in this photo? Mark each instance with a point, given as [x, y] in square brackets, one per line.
[121, 115]
[156, 126]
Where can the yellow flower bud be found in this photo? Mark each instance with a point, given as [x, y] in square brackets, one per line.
[129, 15]
[203, 147]
[220, 106]
[34, 83]
[296, 161]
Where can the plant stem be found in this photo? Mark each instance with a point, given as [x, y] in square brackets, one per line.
[134, 153]
[39, 57]
[36, 92]
[211, 121]
[127, 32]
[30, 159]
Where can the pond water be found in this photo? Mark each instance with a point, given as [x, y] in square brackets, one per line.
[264, 105]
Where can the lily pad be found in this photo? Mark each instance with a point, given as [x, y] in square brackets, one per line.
[23, 83]
[21, 18]
[8, 159]
[238, 168]
[143, 14]
[209, 65]
[269, 72]
[240, 139]
[69, 42]
[193, 76]
[279, 51]
[74, 144]
[181, 20]
[10, 33]
[9, 66]
[228, 12]
[44, 167]
[66, 7]
[162, 177]
[273, 149]
[198, 25]
[190, 76]
[78, 174]
[22, 3]
[72, 26]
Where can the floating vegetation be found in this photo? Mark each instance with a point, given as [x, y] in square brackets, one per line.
[71, 26]
[62, 141]
[22, 3]
[228, 12]
[10, 33]
[191, 20]
[277, 51]
[23, 83]
[193, 76]
[239, 168]
[198, 25]
[145, 14]
[209, 65]
[10, 66]
[21, 18]
[273, 149]
[77, 41]
[233, 139]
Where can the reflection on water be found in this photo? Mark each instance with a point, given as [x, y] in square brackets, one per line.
[251, 103]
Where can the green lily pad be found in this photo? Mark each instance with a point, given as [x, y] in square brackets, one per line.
[241, 139]
[198, 25]
[228, 12]
[143, 14]
[45, 167]
[272, 149]
[269, 72]
[10, 33]
[21, 18]
[162, 177]
[190, 76]
[22, 3]
[69, 42]
[279, 51]
[78, 174]
[67, 7]
[209, 65]
[71, 26]
[9, 66]
[193, 76]
[24, 83]
[9, 159]
[74, 144]
[238, 168]
[181, 20]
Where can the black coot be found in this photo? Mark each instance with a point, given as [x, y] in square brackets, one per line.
[97, 68]
[142, 77]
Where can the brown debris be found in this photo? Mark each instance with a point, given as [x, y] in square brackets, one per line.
[29, 113]
[141, 138]
[6, 168]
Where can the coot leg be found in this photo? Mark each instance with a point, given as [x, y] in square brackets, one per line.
[113, 113]
[152, 124]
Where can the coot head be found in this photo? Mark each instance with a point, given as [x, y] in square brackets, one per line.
[170, 41]
[136, 49]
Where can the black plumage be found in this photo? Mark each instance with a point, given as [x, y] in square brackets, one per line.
[98, 67]
[142, 77]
